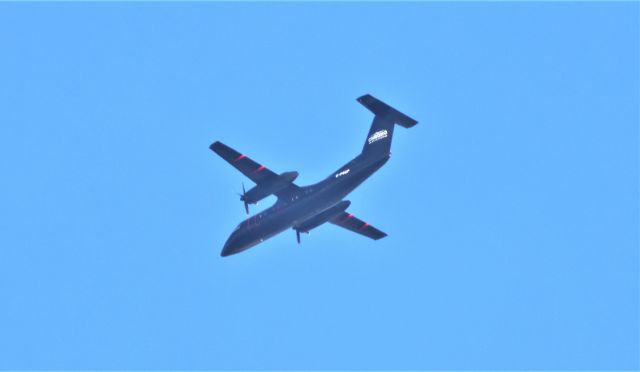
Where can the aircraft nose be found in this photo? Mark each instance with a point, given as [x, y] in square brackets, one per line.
[226, 250]
[229, 246]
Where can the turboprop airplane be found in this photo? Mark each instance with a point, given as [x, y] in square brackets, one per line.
[304, 208]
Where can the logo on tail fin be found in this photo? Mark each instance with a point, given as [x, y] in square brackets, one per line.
[377, 136]
[342, 173]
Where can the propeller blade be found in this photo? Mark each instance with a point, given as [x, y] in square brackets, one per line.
[242, 197]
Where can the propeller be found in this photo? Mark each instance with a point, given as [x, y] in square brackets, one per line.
[243, 198]
[298, 234]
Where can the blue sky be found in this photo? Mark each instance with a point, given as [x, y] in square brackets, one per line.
[511, 209]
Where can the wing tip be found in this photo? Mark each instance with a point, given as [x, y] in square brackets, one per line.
[215, 145]
[220, 148]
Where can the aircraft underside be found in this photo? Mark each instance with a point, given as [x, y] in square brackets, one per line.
[305, 208]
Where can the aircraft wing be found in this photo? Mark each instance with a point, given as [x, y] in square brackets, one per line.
[255, 171]
[350, 222]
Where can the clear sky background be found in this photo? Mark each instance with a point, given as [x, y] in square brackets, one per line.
[511, 209]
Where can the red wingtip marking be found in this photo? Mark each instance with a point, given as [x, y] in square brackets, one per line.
[364, 226]
[242, 156]
[259, 169]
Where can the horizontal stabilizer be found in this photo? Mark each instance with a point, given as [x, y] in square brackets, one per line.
[381, 109]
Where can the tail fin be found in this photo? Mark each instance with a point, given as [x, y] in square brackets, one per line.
[378, 141]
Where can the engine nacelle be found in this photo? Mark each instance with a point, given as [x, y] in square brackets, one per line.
[322, 217]
[269, 187]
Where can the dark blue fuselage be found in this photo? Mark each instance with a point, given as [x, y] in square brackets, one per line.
[302, 203]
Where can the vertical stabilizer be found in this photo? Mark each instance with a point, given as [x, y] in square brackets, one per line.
[378, 141]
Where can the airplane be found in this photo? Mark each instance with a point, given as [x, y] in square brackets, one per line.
[304, 208]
